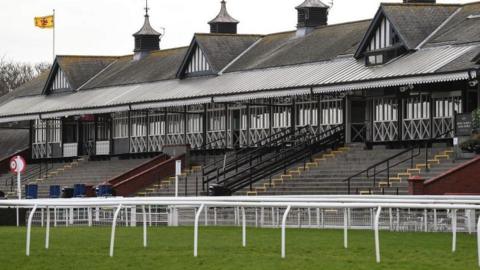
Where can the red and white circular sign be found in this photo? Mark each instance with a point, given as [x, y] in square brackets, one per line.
[17, 164]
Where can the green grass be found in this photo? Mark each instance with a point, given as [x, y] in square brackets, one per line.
[220, 248]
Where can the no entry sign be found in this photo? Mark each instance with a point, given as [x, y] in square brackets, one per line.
[17, 165]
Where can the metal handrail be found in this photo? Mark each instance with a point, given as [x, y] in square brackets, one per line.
[285, 159]
[250, 155]
[390, 166]
[283, 156]
[269, 139]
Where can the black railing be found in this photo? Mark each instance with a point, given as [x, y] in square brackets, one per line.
[385, 166]
[235, 154]
[265, 161]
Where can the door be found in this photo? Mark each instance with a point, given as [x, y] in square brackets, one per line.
[87, 138]
[358, 127]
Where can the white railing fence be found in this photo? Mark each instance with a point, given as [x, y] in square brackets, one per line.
[395, 213]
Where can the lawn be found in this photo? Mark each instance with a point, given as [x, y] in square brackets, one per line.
[220, 248]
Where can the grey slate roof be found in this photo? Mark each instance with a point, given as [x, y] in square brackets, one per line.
[157, 66]
[460, 29]
[80, 69]
[283, 49]
[12, 141]
[221, 49]
[31, 88]
[415, 22]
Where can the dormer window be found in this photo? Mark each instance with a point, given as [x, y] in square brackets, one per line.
[376, 59]
[383, 56]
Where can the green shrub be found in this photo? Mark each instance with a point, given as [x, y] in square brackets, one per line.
[472, 145]
[476, 119]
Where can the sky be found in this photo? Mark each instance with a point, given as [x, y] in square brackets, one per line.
[105, 27]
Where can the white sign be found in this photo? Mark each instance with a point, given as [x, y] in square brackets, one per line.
[455, 141]
[178, 167]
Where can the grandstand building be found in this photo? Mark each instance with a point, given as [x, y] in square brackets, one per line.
[391, 82]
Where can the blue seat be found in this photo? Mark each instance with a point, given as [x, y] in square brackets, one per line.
[79, 190]
[104, 191]
[55, 192]
[31, 191]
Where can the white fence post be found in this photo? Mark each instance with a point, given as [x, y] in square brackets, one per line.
[345, 228]
[195, 233]
[284, 221]
[29, 228]
[114, 224]
[47, 233]
[454, 230]
[478, 240]
[377, 236]
[244, 228]
[144, 214]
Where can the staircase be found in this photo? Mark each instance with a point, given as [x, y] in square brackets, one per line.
[189, 185]
[327, 174]
[274, 155]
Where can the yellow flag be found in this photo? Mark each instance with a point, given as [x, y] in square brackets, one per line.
[45, 22]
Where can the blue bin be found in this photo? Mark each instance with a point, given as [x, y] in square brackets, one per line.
[55, 192]
[79, 190]
[31, 191]
[104, 191]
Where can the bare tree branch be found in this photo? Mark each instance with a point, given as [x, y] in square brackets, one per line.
[15, 74]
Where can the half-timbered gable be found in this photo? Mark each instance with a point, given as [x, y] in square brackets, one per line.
[400, 28]
[211, 53]
[71, 73]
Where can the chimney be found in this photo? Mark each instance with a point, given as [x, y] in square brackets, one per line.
[311, 13]
[420, 1]
[146, 39]
[223, 23]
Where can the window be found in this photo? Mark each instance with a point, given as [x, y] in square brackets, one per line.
[120, 125]
[139, 124]
[375, 60]
[103, 128]
[47, 130]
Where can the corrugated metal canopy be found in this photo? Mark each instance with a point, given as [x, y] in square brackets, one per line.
[341, 74]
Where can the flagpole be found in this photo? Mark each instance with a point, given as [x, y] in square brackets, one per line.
[54, 19]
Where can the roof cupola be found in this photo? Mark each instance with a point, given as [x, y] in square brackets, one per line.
[223, 23]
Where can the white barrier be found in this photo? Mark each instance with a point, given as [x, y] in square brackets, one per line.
[288, 202]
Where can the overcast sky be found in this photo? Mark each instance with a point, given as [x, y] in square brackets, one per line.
[105, 27]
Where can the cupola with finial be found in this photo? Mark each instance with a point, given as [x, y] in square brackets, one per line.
[146, 39]
[311, 13]
[223, 23]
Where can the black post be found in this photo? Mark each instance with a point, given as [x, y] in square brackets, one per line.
[185, 125]
[388, 172]
[186, 180]
[426, 156]
[196, 185]
[411, 157]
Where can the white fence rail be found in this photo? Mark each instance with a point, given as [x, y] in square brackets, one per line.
[396, 213]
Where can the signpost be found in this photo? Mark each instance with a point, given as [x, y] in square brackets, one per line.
[178, 172]
[463, 124]
[18, 166]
